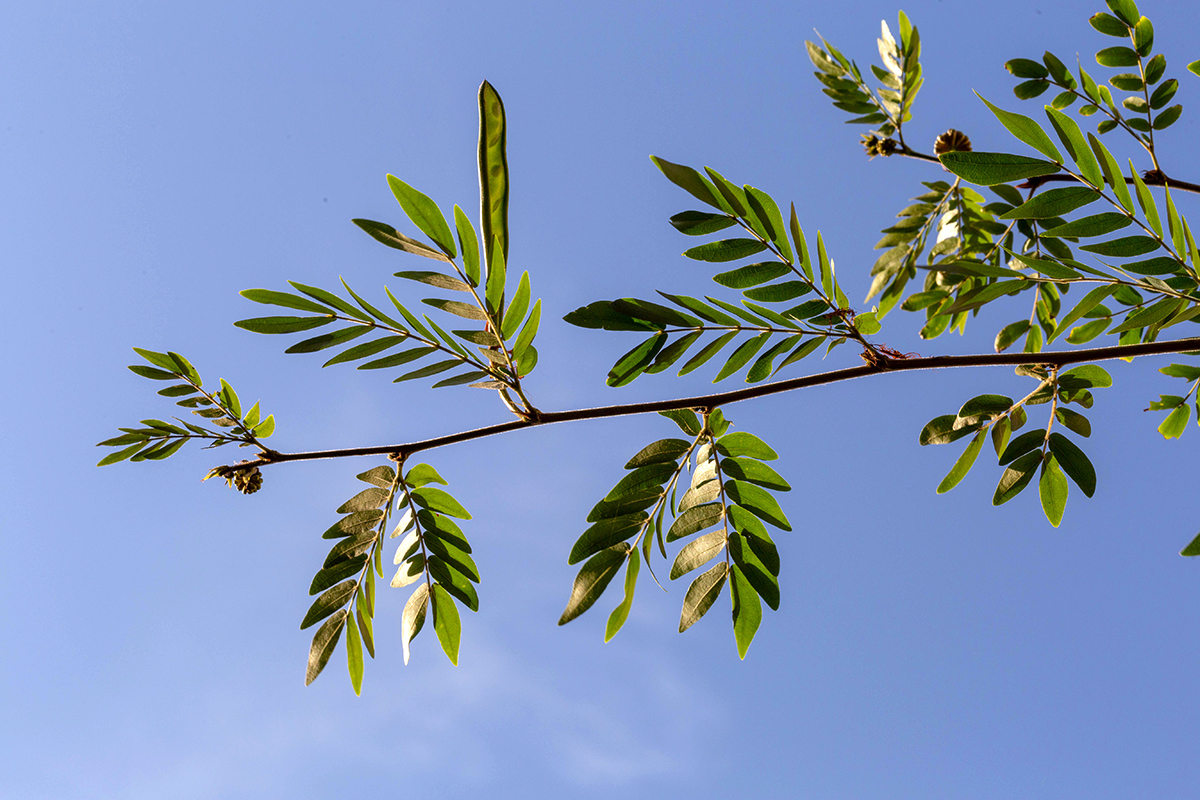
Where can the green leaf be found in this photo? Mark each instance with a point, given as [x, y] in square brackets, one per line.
[268, 297]
[605, 534]
[1123, 247]
[497, 272]
[396, 359]
[690, 181]
[1109, 25]
[963, 465]
[1025, 68]
[767, 212]
[468, 241]
[1117, 57]
[1026, 130]
[752, 275]
[701, 595]
[740, 443]
[621, 612]
[1146, 200]
[282, 324]
[694, 520]
[1074, 462]
[1053, 203]
[354, 656]
[755, 472]
[1112, 173]
[425, 214]
[1176, 422]
[662, 451]
[1193, 547]
[1085, 376]
[323, 645]
[1010, 333]
[988, 169]
[328, 340]
[1095, 225]
[1167, 117]
[328, 576]
[941, 430]
[697, 553]
[685, 418]
[698, 223]
[764, 583]
[366, 500]
[1072, 139]
[439, 501]
[414, 617]
[634, 363]
[465, 310]
[758, 502]
[747, 611]
[1074, 421]
[603, 314]
[329, 602]
[745, 351]
[446, 622]
[1017, 477]
[515, 313]
[725, 250]
[386, 234]
[593, 579]
[1052, 488]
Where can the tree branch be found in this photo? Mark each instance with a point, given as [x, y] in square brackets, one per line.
[724, 398]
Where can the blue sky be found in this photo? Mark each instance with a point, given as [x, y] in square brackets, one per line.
[162, 157]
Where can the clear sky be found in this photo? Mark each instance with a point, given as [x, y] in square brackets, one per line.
[160, 157]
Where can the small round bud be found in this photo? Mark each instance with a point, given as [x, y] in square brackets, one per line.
[952, 140]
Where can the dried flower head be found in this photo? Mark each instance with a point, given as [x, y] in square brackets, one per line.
[952, 140]
[875, 146]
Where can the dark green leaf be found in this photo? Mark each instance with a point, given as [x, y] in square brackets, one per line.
[725, 250]
[757, 501]
[328, 340]
[593, 579]
[662, 451]
[741, 443]
[698, 223]
[1017, 477]
[439, 501]
[690, 181]
[745, 351]
[367, 499]
[605, 534]
[701, 595]
[329, 602]
[603, 314]
[752, 275]
[323, 645]
[634, 363]
[283, 324]
[1074, 462]
[685, 418]
[1109, 25]
[1053, 203]
[747, 611]
[386, 234]
[1123, 247]
[446, 622]
[694, 520]
[436, 279]
[268, 297]
[988, 169]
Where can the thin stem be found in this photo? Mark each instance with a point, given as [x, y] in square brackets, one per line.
[1058, 359]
